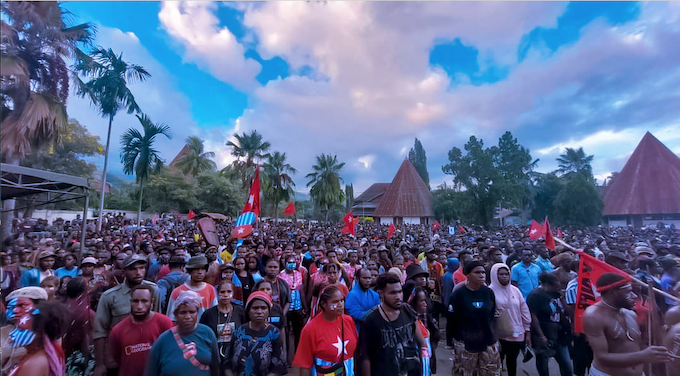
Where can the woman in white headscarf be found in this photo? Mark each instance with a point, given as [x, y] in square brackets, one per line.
[514, 322]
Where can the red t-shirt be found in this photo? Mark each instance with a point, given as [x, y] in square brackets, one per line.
[321, 339]
[130, 342]
[458, 276]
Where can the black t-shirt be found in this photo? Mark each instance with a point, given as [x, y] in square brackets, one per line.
[391, 346]
[550, 314]
[276, 316]
[473, 317]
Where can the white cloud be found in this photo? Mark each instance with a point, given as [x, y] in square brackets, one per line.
[367, 161]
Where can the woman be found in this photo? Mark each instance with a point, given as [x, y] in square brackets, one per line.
[318, 350]
[77, 342]
[224, 318]
[472, 307]
[276, 316]
[51, 285]
[280, 290]
[253, 268]
[257, 347]
[296, 314]
[189, 348]
[243, 282]
[514, 323]
[428, 326]
[332, 273]
[44, 356]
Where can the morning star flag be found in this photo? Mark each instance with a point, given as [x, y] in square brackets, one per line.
[535, 230]
[350, 222]
[290, 209]
[253, 204]
[549, 240]
[390, 231]
[589, 271]
[244, 225]
[435, 226]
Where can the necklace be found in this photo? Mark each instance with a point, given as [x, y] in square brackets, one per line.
[625, 320]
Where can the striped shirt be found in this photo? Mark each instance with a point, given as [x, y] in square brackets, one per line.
[570, 293]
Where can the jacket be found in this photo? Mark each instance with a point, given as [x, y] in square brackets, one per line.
[359, 303]
[510, 301]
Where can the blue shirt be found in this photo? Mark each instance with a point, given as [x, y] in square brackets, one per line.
[545, 264]
[63, 272]
[526, 277]
[166, 358]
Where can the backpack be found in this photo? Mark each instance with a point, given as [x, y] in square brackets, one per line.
[172, 284]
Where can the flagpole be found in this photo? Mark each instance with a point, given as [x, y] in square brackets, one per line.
[663, 293]
[650, 298]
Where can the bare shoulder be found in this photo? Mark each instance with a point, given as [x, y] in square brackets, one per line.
[672, 316]
[630, 314]
[35, 365]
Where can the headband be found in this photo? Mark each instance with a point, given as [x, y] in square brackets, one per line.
[611, 286]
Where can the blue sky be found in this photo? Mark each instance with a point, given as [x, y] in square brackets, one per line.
[361, 80]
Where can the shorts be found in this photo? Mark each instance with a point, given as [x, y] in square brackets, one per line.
[485, 363]
[596, 372]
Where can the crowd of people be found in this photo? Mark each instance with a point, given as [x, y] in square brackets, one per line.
[160, 299]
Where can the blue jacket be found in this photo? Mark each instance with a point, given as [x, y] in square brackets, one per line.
[30, 277]
[359, 303]
[165, 286]
[447, 280]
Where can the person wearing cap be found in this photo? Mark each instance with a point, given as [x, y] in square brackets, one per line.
[21, 302]
[197, 267]
[415, 277]
[257, 347]
[618, 260]
[43, 268]
[175, 278]
[114, 306]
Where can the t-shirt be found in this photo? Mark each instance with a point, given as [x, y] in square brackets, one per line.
[130, 342]
[390, 346]
[206, 292]
[63, 272]
[276, 316]
[256, 352]
[472, 316]
[526, 277]
[167, 359]
[458, 276]
[550, 314]
[223, 325]
[322, 342]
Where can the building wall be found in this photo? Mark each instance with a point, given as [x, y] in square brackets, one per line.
[69, 215]
[644, 220]
[386, 220]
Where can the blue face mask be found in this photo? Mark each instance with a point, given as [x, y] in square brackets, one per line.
[291, 265]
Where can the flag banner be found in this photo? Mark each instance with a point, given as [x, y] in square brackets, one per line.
[589, 271]
[435, 226]
[290, 209]
[559, 233]
[390, 231]
[191, 214]
[535, 230]
[461, 229]
[244, 225]
[549, 240]
[253, 204]
[350, 222]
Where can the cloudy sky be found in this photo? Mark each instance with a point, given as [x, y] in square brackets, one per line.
[361, 80]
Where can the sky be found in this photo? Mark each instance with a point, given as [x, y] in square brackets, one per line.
[363, 79]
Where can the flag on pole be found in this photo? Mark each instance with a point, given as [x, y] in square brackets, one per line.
[191, 214]
[349, 223]
[559, 233]
[253, 203]
[549, 240]
[290, 209]
[435, 226]
[535, 230]
[589, 271]
[452, 230]
[390, 231]
[244, 225]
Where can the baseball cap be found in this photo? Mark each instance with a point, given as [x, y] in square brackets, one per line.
[135, 258]
[89, 260]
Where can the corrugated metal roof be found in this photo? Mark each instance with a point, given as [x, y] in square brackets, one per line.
[407, 195]
[373, 194]
[649, 183]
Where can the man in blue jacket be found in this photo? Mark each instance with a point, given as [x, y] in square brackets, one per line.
[33, 277]
[362, 299]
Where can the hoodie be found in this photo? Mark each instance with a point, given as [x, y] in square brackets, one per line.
[510, 302]
[359, 303]
[447, 280]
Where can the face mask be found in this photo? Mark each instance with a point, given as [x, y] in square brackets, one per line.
[291, 265]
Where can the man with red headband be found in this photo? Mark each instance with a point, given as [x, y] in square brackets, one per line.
[613, 333]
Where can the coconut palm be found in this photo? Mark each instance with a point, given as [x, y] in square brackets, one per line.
[577, 161]
[279, 185]
[196, 160]
[36, 40]
[107, 88]
[249, 149]
[138, 154]
[325, 182]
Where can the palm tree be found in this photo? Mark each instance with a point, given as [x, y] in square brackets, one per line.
[138, 154]
[197, 160]
[325, 182]
[279, 185]
[573, 160]
[36, 42]
[249, 149]
[107, 88]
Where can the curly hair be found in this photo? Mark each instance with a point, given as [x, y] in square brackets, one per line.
[50, 319]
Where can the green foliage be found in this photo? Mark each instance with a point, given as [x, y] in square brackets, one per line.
[169, 191]
[197, 160]
[138, 154]
[547, 188]
[419, 160]
[249, 149]
[349, 196]
[278, 185]
[578, 203]
[218, 194]
[576, 162]
[324, 181]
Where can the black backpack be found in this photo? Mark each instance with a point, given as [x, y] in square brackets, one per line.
[173, 283]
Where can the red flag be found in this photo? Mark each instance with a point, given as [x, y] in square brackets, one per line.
[290, 209]
[549, 240]
[435, 226]
[589, 271]
[390, 231]
[461, 229]
[191, 214]
[535, 230]
[559, 233]
[350, 222]
[253, 203]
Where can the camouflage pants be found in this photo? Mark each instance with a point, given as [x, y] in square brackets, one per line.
[485, 363]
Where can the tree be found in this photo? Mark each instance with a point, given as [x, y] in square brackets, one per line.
[611, 178]
[418, 158]
[325, 182]
[138, 154]
[107, 88]
[35, 45]
[197, 160]
[169, 191]
[279, 185]
[514, 165]
[578, 203]
[249, 149]
[575, 161]
[547, 187]
[349, 197]
[216, 193]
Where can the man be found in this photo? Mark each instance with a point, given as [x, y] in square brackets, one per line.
[613, 333]
[161, 261]
[619, 260]
[214, 268]
[114, 306]
[516, 255]
[670, 277]
[33, 277]
[524, 275]
[172, 280]
[672, 343]
[131, 339]
[542, 260]
[415, 277]
[352, 266]
[196, 267]
[458, 276]
[550, 327]
[361, 300]
[389, 342]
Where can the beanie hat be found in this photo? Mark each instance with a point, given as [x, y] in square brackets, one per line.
[259, 295]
